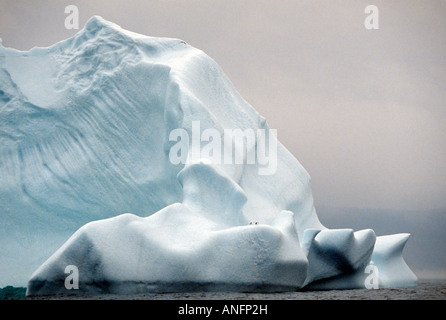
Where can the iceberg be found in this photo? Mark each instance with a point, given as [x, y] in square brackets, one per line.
[89, 128]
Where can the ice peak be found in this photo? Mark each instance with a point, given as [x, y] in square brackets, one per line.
[97, 23]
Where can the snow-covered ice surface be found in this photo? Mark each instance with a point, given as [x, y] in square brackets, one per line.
[86, 180]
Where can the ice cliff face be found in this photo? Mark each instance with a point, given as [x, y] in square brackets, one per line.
[85, 136]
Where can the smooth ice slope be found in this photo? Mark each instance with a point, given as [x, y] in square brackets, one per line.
[84, 136]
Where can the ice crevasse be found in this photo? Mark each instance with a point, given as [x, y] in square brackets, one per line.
[86, 180]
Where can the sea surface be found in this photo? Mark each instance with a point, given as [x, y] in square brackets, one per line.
[426, 290]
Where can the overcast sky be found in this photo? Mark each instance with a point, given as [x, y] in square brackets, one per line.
[363, 110]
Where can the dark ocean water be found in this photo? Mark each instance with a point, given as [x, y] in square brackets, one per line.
[426, 290]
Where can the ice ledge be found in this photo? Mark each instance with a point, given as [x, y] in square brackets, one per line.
[184, 244]
[198, 245]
